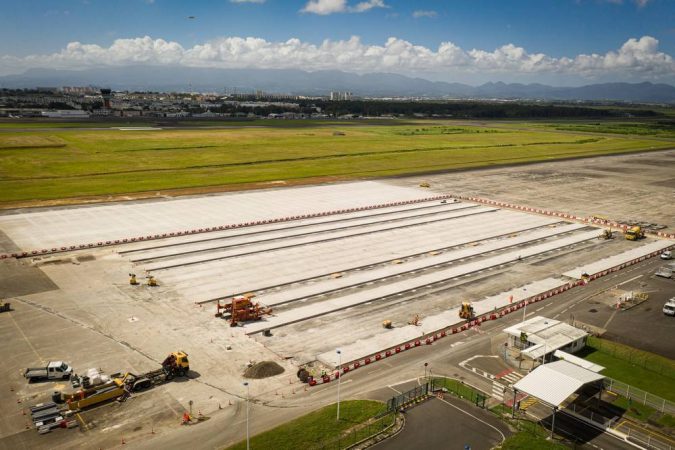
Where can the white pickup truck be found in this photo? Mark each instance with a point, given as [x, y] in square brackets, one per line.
[55, 370]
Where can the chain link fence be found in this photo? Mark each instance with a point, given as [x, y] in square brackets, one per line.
[651, 362]
[639, 396]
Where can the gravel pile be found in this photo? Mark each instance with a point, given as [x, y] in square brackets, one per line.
[263, 369]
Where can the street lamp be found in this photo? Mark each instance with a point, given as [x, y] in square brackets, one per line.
[525, 302]
[425, 370]
[248, 445]
[339, 377]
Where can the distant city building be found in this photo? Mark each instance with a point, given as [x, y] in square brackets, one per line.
[66, 114]
[340, 96]
[106, 94]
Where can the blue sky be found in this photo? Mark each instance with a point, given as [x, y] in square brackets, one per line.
[556, 28]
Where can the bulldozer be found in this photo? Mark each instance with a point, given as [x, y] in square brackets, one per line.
[634, 233]
[466, 311]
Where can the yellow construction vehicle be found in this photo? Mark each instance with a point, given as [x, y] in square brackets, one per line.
[466, 311]
[415, 320]
[152, 282]
[386, 324]
[634, 233]
[121, 386]
[606, 234]
[132, 279]
[424, 184]
[5, 306]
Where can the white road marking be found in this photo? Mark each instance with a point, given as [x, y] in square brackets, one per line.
[628, 281]
[471, 415]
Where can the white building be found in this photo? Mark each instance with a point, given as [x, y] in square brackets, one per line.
[540, 336]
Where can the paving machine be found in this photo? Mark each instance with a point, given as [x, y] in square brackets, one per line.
[466, 311]
[241, 309]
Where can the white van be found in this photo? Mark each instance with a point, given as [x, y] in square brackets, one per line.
[669, 307]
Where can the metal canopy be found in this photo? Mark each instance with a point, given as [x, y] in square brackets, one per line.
[552, 383]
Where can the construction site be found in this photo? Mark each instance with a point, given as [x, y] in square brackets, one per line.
[289, 275]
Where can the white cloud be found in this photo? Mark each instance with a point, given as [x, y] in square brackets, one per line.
[424, 13]
[635, 59]
[325, 7]
[367, 6]
[247, 1]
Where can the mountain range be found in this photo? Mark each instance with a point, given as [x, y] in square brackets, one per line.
[181, 79]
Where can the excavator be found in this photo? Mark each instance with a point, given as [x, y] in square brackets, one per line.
[466, 311]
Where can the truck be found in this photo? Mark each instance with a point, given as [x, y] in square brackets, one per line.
[634, 233]
[122, 386]
[54, 370]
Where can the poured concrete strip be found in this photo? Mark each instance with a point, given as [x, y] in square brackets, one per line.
[308, 240]
[618, 259]
[243, 238]
[410, 285]
[263, 271]
[329, 285]
[296, 224]
[396, 336]
[82, 225]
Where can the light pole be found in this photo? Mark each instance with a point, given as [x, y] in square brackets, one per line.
[248, 445]
[425, 371]
[525, 302]
[339, 354]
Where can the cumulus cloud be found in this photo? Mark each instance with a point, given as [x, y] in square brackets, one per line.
[367, 5]
[424, 13]
[325, 7]
[636, 58]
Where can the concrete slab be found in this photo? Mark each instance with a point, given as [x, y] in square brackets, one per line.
[618, 259]
[390, 338]
[359, 278]
[263, 271]
[249, 246]
[326, 307]
[73, 226]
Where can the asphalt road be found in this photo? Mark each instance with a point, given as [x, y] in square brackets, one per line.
[445, 425]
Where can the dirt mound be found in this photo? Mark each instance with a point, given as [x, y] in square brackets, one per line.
[263, 369]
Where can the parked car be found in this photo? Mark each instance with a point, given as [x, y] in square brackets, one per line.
[667, 255]
[669, 307]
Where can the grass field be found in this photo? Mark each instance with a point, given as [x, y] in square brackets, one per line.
[55, 164]
[320, 428]
[640, 369]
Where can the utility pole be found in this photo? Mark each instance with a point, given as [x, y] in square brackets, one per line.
[339, 353]
[248, 445]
